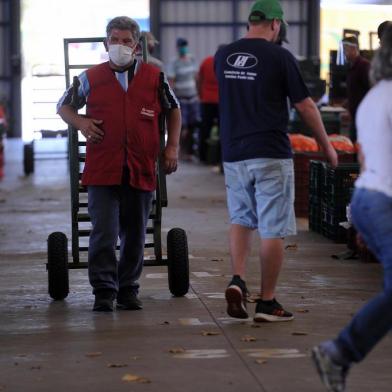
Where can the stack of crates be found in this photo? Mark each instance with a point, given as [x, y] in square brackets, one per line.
[302, 172]
[330, 192]
[316, 190]
[338, 185]
[302, 179]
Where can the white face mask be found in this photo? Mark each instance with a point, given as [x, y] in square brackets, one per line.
[121, 55]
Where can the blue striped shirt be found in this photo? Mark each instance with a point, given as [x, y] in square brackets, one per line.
[168, 98]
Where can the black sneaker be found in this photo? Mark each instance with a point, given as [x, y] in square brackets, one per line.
[331, 373]
[128, 301]
[271, 311]
[104, 301]
[236, 294]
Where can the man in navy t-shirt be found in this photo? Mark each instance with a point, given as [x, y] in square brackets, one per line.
[256, 78]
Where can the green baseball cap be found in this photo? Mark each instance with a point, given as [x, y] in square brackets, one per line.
[266, 9]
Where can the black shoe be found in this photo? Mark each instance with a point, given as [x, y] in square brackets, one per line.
[128, 301]
[271, 311]
[104, 301]
[236, 294]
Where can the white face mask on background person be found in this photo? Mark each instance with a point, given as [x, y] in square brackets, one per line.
[121, 55]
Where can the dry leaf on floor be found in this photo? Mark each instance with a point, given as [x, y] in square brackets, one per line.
[291, 247]
[143, 380]
[299, 333]
[248, 338]
[261, 361]
[210, 333]
[216, 259]
[94, 354]
[135, 378]
[177, 350]
[117, 365]
[303, 310]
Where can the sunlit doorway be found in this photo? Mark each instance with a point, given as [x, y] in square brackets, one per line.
[45, 23]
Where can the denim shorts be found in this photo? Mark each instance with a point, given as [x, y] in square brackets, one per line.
[260, 195]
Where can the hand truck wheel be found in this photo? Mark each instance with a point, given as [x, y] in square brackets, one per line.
[57, 266]
[178, 262]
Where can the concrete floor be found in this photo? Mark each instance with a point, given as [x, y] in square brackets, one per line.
[174, 344]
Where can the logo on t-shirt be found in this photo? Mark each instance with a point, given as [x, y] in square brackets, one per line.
[242, 60]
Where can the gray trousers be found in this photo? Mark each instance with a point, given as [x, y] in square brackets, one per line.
[117, 211]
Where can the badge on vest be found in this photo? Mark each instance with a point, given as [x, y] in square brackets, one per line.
[147, 114]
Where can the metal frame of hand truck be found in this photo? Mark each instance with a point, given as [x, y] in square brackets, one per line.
[177, 247]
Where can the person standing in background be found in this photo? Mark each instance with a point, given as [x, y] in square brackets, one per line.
[209, 103]
[182, 73]
[382, 28]
[357, 80]
[152, 42]
[371, 210]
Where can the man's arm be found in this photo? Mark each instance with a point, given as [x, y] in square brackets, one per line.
[311, 115]
[88, 126]
[70, 102]
[170, 154]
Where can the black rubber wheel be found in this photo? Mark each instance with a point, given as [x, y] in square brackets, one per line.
[28, 158]
[178, 262]
[57, 266]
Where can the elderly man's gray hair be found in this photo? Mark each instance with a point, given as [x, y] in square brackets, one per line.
[382, 62]
[124, 23]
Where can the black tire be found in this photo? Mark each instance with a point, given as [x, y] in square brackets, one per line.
[178, 262]
[28, 158]
[57, 266]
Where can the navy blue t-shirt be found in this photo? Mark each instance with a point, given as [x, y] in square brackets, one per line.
[255, 79]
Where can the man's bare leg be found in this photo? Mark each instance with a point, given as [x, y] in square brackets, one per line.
[240, 246]
[271, 260]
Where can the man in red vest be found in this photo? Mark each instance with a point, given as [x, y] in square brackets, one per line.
[123, 99]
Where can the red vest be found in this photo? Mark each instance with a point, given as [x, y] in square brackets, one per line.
[130, 124]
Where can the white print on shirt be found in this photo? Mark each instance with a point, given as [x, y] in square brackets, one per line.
[147, 112]
[242, 60]
[240, 75]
